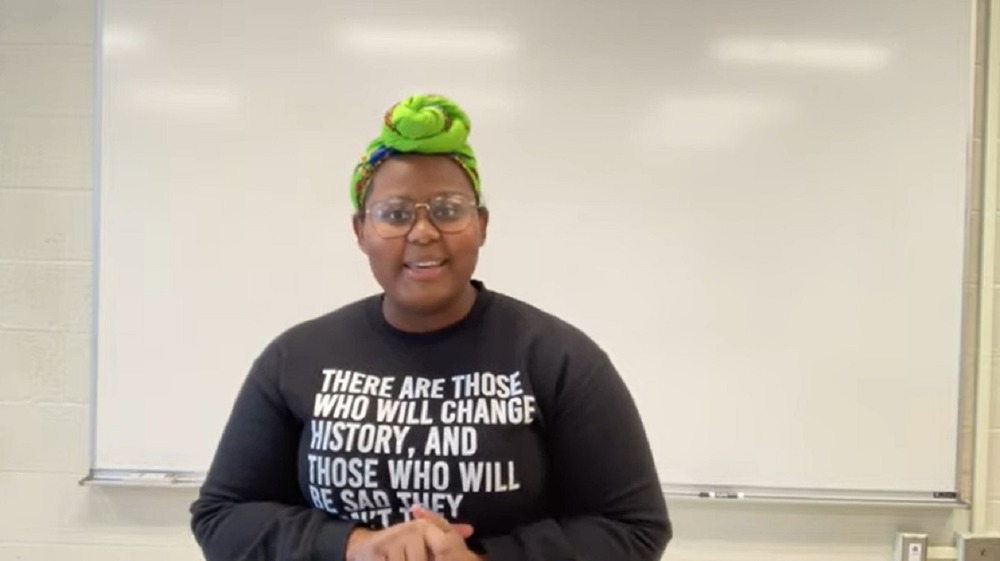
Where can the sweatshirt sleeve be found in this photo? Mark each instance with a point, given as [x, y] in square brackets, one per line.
[606, 492]
[250, 507]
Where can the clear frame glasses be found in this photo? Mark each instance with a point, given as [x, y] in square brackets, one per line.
[394, 218]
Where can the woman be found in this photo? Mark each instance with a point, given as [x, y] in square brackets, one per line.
[436, 421]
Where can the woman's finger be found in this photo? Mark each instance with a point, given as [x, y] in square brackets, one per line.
[421, 513]
[441, 544]
[416, 549]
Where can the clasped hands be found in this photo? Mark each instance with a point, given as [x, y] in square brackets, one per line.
[427, 537]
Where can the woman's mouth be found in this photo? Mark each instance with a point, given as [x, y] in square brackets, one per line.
[425, 269]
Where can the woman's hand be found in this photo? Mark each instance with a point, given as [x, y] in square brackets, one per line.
[427, 537]
[445, 541]
[402, 542]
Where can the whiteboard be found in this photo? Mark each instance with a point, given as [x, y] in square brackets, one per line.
[757, 209]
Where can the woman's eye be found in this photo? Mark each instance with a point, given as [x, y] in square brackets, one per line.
[446, 212]
[394, 215]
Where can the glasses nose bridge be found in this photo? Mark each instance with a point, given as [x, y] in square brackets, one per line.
[427, 212]
[428, 216]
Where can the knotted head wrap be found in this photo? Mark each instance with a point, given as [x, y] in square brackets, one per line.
[419, 124]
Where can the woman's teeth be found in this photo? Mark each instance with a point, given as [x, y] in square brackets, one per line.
[426, 264]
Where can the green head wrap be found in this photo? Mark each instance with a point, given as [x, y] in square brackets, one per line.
[419, 124]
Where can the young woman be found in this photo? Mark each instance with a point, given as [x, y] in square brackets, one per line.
[438, 420]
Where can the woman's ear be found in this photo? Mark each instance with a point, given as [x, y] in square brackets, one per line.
[484, 221]
[359, 233]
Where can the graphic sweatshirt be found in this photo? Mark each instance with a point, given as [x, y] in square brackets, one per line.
[510, 420]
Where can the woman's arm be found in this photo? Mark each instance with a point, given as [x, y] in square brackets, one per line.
[250, 507]
[608, 497]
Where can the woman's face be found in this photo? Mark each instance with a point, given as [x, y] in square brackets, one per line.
[423, 270]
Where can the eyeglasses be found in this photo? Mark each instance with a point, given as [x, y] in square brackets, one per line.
[394, 218]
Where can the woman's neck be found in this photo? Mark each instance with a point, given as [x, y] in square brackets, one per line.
[419, 322]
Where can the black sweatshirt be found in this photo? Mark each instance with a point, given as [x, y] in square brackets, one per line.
[511, 420]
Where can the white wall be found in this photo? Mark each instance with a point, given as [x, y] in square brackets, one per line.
[46, 120]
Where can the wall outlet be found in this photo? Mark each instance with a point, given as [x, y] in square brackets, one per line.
[979, 547]
[911, 547]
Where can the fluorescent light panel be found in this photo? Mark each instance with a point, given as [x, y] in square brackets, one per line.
[187, 97]
[802, 53]
[424, 40]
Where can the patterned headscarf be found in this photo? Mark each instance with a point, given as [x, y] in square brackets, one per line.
[419, 124]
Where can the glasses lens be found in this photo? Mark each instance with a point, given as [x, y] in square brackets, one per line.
[393, 218]
[450, 214]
